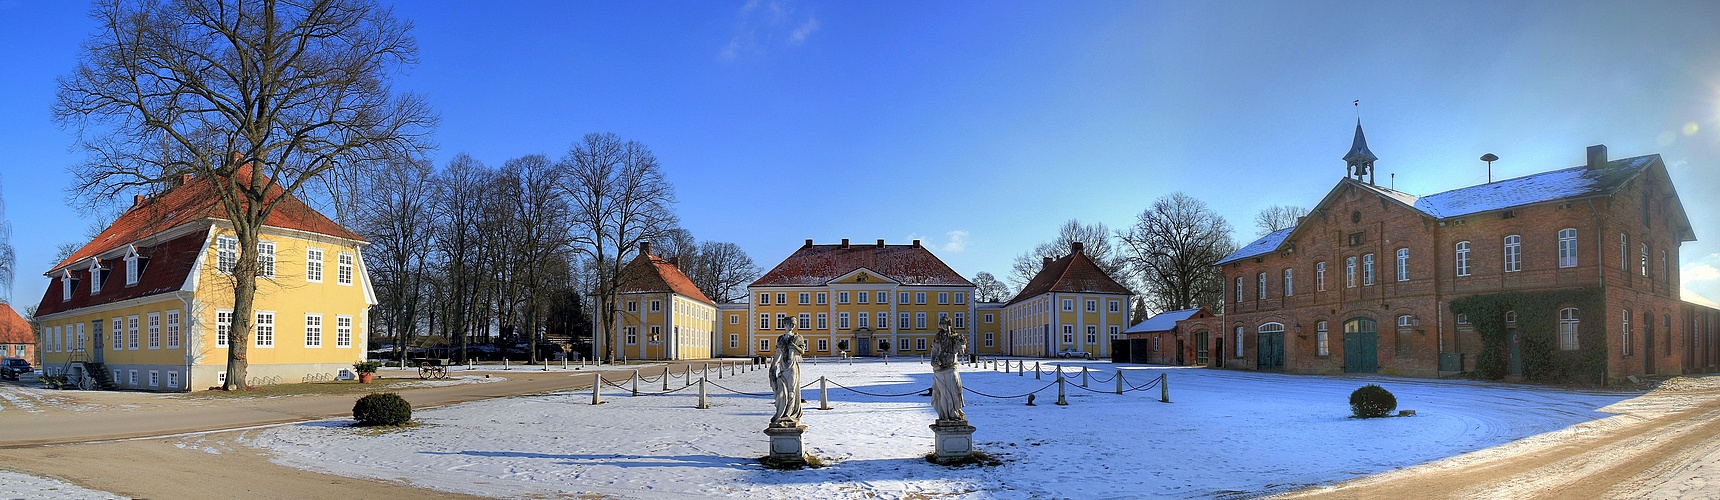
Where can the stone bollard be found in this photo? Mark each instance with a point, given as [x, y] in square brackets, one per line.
[596, 388]
[823, 395]
[546, 365]
[635, 382]
[1119, 381]
[1060, 400]
[1164, 389]
[505, 363]
[582, 363]
[689, 375]
[564, 363]
[702, 403]
[704, 370]
[1083, 376]
[1036, 371]
[1020, 368]
[665, 379]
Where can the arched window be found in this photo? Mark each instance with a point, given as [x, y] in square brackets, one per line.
[1568, 329]
[1350, 272]
[1462, 258]
[1322, 339]
[1568, 247]
[1360, 325]
[1645, 260]
[1273, 327]
[1513, 253]
[1368, 269]
[1403, 264]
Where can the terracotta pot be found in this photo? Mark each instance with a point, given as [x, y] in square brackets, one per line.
[364, 378]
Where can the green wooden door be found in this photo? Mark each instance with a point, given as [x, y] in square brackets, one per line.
[1361, 346]
[1270, 353]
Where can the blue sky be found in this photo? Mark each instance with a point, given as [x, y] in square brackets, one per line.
[980, 126]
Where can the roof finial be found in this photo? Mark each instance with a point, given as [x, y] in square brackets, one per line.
[1360, 161]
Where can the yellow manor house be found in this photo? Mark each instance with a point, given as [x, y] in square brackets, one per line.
[660, 314]
[146, 304]
[862, 300]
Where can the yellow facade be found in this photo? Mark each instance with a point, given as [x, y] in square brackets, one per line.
[307, 328]
[988, 329]
[835, 321]
[1049, 323]
[663, 325]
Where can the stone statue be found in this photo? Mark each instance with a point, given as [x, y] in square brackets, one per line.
[946, 383]
[785, 378]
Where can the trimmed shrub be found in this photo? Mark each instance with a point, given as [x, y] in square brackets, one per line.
[1372, 401]
[383, 408]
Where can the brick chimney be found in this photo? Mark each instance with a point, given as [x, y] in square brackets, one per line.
[1597, 156]
[1076, 247]
[845, 243]
[1044, 264]
[644, 248]
[880, 243]
[136, 199]
[916, 243]
[675, 261]
[808, 243]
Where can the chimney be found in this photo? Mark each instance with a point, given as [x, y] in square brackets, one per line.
[808, 243]
[1597, 156]
[845, 243]
[916, 243]
[1075, 247]
[185, 178]
[675, 261]
[136, 199]
[644, 248]
[1300, 218]
[880, 243]
[1046, 263]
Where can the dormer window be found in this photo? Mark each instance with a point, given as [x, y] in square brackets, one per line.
[133, 265]
[95, 276]
[67, 283]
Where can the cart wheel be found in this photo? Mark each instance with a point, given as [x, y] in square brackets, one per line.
[441, 372]
[424, 370]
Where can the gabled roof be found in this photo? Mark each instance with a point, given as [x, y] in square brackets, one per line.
[816, 265]
[1071, 273]
[165, 267]
[195, 200]
[1686, 295]
[13, 328]
[1572, 183]
[649, 273]
[1163, 322]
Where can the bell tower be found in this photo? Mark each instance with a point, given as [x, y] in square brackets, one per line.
[1360, 161]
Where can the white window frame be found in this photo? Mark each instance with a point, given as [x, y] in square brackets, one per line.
[764, 299]
[841, 297]
[226, 254]
[989, 318]
[883, 297]
[990, 339]
[1238, 289]
[919, 343]
[1567, 247]
[155, 378]
[943, 298]
[862, 320]
[1643, 260]
[883, 320]
[1403, 264]
[764, 321]
[344, 264]
[1114, 305]
[1260, 286]
[903, 321]
[1322, 338]
[342, 331]
[1238, 349]
[172, 379]
[1350, 272]
[1289, 282]
[118, 333]
[1114, 331]
[919, 321]
[803, 321]
[782, 298]
[314, 265]
[263, 332]
[1462, 262]
[920, 298]
[1624, 347]
[902, 298]
[1068, 334]
[734, 319]
[842, 321]
[153, 327]
[960, 320]
[131, 269]
[1569, 322]
[1320, 276]
[656, 305]
[764, 344]
[1367, 269]
[1068, 305]
[266, 259]
[95, 276]
[823, 345]
[1092, 335]
[1513, 253]
[961, 298]
[822, 298]
[805, 298]
[131, 330]
[631, 335]
[174, 332]
[734, 341]
[313, 331]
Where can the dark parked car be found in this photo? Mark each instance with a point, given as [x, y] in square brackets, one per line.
[11, 368]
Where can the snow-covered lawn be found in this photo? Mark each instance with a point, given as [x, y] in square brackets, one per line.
[19, 485]
[1224, 433]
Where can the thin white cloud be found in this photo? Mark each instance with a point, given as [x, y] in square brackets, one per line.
[1694, 274]
[957, 241]
[761, 25]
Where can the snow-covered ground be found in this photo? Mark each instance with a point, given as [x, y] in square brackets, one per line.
[1225, 433]
[18, 485]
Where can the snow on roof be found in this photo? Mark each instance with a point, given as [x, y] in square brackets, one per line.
[1264, 245]
[1574, 182]
[1163, 321]
[1686, 295]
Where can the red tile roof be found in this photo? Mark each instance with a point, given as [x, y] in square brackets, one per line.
[165, 267]
[650, 273]
[13, 328]
[1072, 273]
[816, 265]
[195, 200]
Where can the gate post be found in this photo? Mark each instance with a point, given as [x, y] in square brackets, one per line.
[1119, 381]
[665, 379]
[1083, 376]
[689, 375]
[1164, 389]
[702, 403]
[596, 388]
[823, 395]
[1060, 400]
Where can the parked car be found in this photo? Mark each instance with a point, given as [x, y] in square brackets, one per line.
[1073, 353]
[11, 368]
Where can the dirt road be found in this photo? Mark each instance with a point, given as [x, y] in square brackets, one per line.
[1662, 445]
[174, 446]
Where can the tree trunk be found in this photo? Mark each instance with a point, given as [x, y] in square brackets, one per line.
[244, 299]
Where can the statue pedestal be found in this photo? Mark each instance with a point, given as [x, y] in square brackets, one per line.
[954, 441]
[786, 449]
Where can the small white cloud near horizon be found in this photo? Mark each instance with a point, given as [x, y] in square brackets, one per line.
[957, 241]
[763, 24]
[1702, 277]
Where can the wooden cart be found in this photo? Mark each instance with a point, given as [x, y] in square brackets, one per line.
[429, 368]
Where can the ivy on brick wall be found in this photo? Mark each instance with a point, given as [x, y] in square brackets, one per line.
[1538, 334]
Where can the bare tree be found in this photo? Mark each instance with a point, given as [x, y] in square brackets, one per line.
[1278, 217]
[259, 97]
[675, 243]
[539, 221]
[619, 198]
[1173, 246]
[8, 258]
[1095, 239]
[987, 288]
[396, 216]
[461, 190]
[721, 270]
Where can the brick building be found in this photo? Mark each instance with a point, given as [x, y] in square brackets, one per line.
[1378, 280]
[17, 338]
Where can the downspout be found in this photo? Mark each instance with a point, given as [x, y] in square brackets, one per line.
[184, 329]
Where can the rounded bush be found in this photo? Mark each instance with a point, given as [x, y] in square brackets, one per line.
[384, 408]
[1372, 401]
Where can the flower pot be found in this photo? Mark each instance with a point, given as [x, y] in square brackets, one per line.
[364, 378]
